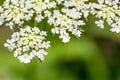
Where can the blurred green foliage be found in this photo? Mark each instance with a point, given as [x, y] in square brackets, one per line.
[95, 56]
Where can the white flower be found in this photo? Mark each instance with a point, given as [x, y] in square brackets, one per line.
[59, 1]
[116, 26]
[79, 5]
[73, 13]
[46, 45]
[14, 12]
[41, 54]
[40, 6]
[65, 37]
[25, 58]
[26, 43]
[55, 30]
[100, 23]
[106, 10]
[63, 24]
[69, 18]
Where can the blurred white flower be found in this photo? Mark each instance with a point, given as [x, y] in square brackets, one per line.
[26, 42]
[100, 23]
[25, 58]
[17, 11]
[62, 25]
[116, 26]
[107, 10]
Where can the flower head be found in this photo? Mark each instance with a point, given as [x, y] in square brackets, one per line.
[68, 19]
[28, 43]
[107, 10]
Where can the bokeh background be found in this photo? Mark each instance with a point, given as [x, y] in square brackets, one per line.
[94, 56]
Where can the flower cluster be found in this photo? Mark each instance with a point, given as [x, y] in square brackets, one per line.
[64, 24]
[109, 11]
[17, 11]
[28, 43]
[65, 17]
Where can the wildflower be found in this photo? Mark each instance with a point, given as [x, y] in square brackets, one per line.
[116, 26]
[100, 23]
[68, 19]
[27, 43]
[14, 12]
[107, 10]
[63, 25]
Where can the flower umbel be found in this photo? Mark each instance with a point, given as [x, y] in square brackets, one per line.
[109, 11]
[28, 43]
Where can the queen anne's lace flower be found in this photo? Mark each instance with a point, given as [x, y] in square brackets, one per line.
[116, 26]
[109, 11]
[100, 23]
[64, 24]
[28, 43]
[40, 6]
[17, 11]
[80, 5]
[68, 18]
